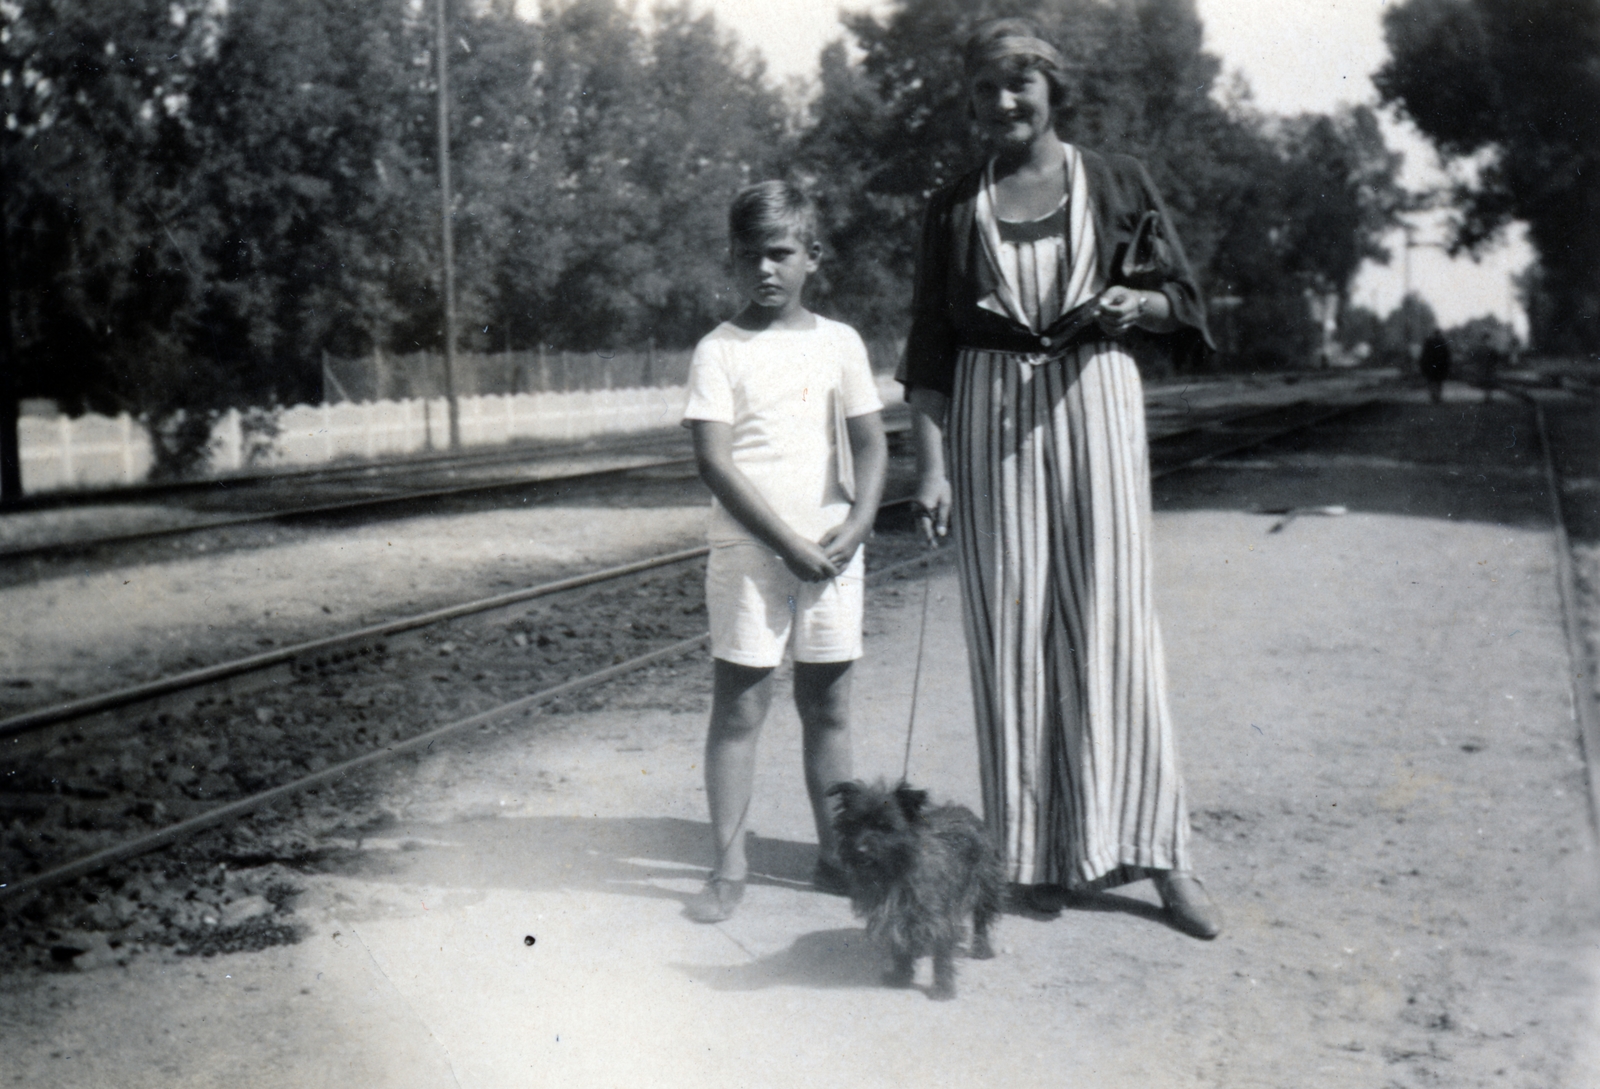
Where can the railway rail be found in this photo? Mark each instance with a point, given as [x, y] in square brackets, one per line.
[446, 461]
[1173, 452]
[1585, 703]
[660, 454]
[1182, 448]
[342, 507]
[518, 453]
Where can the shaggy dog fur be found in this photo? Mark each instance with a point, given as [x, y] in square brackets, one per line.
[916, 874]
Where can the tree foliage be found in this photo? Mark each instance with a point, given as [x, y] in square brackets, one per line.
[207, 196]
[204, 196]
[1268, 209]
[1510, 90]
[1391, 340]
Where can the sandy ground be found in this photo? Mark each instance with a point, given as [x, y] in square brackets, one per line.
[1388, 797]
[74, 633]
[78, 634]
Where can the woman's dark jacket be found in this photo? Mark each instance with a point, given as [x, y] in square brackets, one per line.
[952, 274]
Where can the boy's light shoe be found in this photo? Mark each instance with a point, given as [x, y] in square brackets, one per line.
[716, 902]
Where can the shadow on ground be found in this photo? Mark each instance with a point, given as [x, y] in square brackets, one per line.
[621, 856]
[822, 960]
[1464, 461]
[1575, 433]
[828, 959]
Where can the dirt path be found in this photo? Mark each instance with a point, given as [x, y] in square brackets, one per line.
[1385, 783]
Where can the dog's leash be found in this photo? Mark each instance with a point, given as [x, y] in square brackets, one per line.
[922, 638]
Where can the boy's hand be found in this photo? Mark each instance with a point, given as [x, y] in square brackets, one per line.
[810, 562]
[841, 542]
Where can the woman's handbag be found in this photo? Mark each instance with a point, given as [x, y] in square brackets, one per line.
[1147, 261]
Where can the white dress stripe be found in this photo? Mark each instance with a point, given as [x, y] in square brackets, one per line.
[1076, 748]
[1050, 470]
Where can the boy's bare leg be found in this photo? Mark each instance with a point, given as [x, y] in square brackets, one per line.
[739, 701]
[822, 696]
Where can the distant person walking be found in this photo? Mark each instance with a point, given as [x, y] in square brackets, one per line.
[1030, 432]
[1434, 363]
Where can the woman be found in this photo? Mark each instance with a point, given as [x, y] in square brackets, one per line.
[1016, 365]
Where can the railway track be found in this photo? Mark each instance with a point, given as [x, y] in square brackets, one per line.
[375, 471]
[1585, 701]
[518, 454]
[28, 722]
[1172, 451]
[360, 504]
[87, 804]
[656, 455]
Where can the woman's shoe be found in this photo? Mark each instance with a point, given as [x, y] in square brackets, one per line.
[1189, 905]
[1042, 899]
[716, 902]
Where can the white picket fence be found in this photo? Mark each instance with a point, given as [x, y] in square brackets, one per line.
[350, 430]
[90, 451]
[67, 452]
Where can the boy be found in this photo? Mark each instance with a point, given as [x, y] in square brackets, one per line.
[769, 394]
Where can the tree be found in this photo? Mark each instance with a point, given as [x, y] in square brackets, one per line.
[891, 128]
[1268, 209]
[1509, 91]
[305, 135]
[1359, 325]
[1481, 346]
[93, 140]
[1340, 196]
[633, 142]
[1403, 329]
[209, 196]
[197, 216]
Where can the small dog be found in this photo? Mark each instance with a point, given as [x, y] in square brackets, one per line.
[915, 874]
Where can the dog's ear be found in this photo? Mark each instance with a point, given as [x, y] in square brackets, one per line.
[846, 791]
[911, 800]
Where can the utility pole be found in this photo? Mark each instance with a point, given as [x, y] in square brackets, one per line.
[10, 449]
[1405, 290]
[447, 231]
[1411, 244]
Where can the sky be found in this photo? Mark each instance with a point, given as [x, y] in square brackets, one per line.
[1298, 56]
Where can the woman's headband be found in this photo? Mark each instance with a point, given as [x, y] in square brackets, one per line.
[1013, 45]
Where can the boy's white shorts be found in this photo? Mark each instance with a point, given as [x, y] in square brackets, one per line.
[758, 606]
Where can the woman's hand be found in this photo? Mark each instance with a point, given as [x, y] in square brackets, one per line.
[1120, 308]
[933, 506]
[928, 411]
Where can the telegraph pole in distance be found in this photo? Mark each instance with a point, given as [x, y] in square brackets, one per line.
[1412, 244]
[10, 451]
[1405, 287]
[447, 231]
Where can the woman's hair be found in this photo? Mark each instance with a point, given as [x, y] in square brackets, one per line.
[769, 208]
[1017, 45]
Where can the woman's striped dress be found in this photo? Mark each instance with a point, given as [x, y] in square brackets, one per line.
[1050, 471]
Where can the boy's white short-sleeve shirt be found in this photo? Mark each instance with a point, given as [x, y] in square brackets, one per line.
[775, 387]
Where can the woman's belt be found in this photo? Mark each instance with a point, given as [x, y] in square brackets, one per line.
[1077, 326]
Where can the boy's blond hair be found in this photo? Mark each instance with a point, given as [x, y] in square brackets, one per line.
[766, 209]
